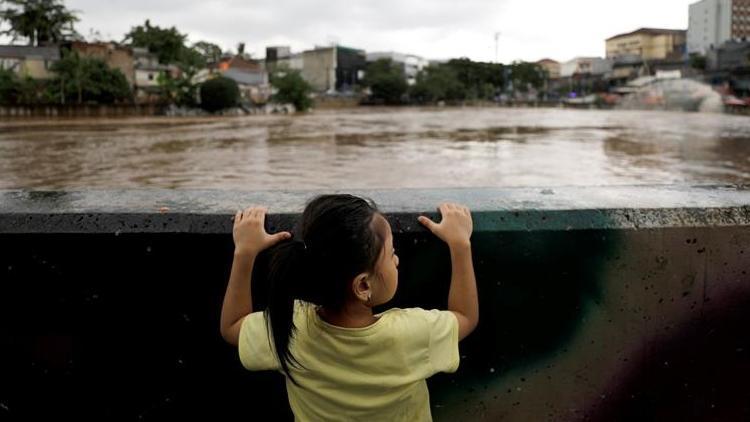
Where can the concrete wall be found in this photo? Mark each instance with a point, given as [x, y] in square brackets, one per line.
[596, 304]
[319, 68]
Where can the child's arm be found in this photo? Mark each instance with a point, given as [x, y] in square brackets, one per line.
[455, 229]
[250, 238]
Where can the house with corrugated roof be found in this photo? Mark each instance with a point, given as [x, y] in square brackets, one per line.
[250, 75]
[34, 62]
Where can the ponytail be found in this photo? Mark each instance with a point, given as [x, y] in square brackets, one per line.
[285, 270]
[341, 239]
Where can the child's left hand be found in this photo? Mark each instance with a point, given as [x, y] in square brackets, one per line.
[249, 232]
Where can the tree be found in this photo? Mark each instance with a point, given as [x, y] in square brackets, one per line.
[697, 61]
[386, 81]
[437, 83]
[482, 80]
[41, 22]
[527, 75]
[168, 44]
[210, 52]
[83, 79]
[180, 89]
[219, 93]
[24, 90]
[291, 88]
[8, 86]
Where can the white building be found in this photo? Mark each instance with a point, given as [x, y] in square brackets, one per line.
[585, 66]
[713, 22]
[411, 64]
[147, 68]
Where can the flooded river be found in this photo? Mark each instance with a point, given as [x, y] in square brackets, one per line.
[378, 148]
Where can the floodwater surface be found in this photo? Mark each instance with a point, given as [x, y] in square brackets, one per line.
[378, 148]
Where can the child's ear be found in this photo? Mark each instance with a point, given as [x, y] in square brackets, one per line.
[361, 287]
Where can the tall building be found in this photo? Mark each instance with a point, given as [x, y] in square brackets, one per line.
[647, 44]
[713, 22]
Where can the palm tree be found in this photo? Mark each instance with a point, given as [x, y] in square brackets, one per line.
[41, 22]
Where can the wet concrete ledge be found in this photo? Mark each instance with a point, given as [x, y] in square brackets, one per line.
[510, 209]
[582, 315]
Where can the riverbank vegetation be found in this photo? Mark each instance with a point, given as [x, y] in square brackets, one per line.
[452, 81]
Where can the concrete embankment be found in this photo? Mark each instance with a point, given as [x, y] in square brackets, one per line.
[600, 303]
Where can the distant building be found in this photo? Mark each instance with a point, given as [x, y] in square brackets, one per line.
[239, 62]
[644, 52]
[115, 56]
[552, 67]
[713, 22]
[275, 53]
[584, 75]
[732, 56]
[34, 62]
[729, 65]
[250, 75]
[326, 69]
[409, 63]
[585, 66]
[146, 69]
[648, 44]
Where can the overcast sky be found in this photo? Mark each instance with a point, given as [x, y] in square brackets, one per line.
[435, 29]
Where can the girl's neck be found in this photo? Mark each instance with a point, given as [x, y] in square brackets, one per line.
[352, 315]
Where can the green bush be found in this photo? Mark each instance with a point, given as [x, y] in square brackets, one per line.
[8, 87]
[437, 83]
[386, 81]
[291, 88]
[82, 80]
[219, 93]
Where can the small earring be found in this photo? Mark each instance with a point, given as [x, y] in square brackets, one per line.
[369, 296]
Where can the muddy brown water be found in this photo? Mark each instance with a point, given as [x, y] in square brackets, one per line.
[373, 148]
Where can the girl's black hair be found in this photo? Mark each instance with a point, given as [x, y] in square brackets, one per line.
[338, 238]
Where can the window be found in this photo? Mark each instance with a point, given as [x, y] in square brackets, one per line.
[150, 76]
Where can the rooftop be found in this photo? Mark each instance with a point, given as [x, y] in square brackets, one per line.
[650, 31]
[25, 51]
[246, 77]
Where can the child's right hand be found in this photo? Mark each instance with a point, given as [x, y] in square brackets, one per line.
[455, 227]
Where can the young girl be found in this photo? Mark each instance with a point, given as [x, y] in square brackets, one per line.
[341, 361]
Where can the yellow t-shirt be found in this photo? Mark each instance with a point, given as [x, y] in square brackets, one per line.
[375, 373]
